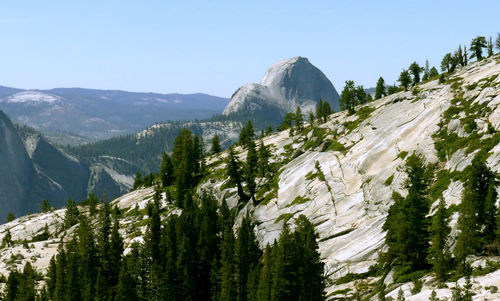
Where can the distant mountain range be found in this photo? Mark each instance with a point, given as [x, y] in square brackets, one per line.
[74, 115]
[43, 170]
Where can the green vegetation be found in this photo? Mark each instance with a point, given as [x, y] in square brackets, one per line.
[299, 200]
[389, 180]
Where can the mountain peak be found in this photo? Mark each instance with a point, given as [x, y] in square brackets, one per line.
[287, 84]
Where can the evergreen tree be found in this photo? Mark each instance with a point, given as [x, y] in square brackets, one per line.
[326, 110]
[227, 274]
[299, 119]
[319, 109]
[392, 89]
[380, 88]
[447, 63]
[125, 289]
[10, 217]
[284, 281]
[490, 212]
[184, 163]
[216, 148]
[433, 72]
[415, 70]
[310, 274]
[497, 41]
[247, 134]
[426, 71]
[439, 255]
[348, 97]
[87, 259]
[265, 277]
[51, 278]
[472, 216]
[251, 169]
[166, 171]
[287, 122]
[459, 56]
[45, 206]
[466, 56]
[233, 172]
[72, 213]
[476, 46]
[404, 79]
[401, 295]
[407, 226]
[12, 286]
[311, 118]
[247, 256]
[490, 47]
[264, 155]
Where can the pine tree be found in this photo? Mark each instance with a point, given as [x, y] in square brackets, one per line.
[125, 289]
[265, 276]
[319, 110]
[490, 47]
[407, 226]
[51, 278]
[264, 155]
[233, 172]
[87, 259]
[216, 148]
[447, 63]
[439, 255]
[311, 118]
[497, 41]
[299, 119]
[401, 295]
[472, 216]
[247, 256]
[380, 88]
[251, 168]
[208, 244]
[227, 273]
[284, 281]
[433, 72]
[72, 213]
[45, 206]
[247, 134]
[466, 56]
[415, 70]
[311, 268]
[166, 170]
[404, 79]
[348, 97]
[426, 71]
[459, 56]
[476, 46]
[490, 212]
[326, 110]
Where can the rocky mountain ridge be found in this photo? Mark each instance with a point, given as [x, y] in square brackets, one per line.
[347, 193]
[35, 170]
[74, 115]
[286, 85]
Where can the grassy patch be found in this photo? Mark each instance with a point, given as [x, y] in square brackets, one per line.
[336, 147]
[402, 155]
[389, 180]
[299, 200]
[442, 182]
[285, 217]
[317, 137]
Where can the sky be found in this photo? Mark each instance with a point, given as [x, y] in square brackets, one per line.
[214, 47]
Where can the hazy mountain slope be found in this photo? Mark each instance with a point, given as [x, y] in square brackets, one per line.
[285, 86]
[98, 114]
[34, 170]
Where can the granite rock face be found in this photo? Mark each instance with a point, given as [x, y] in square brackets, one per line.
[285, 86]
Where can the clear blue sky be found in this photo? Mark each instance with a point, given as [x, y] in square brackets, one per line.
[216, 46]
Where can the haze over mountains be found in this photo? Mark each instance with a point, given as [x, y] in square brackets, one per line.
[81, 115]
[107, 167]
